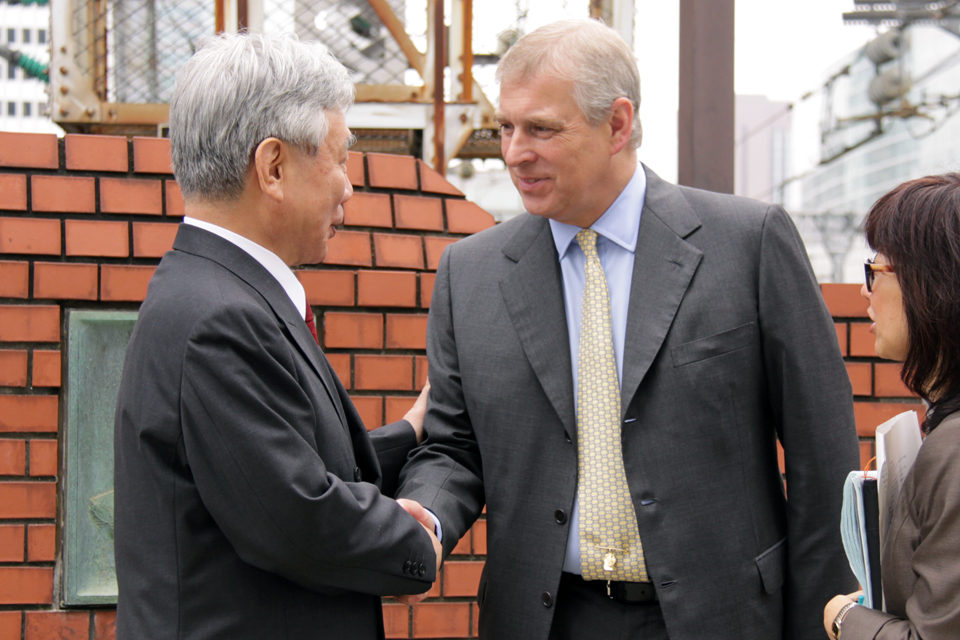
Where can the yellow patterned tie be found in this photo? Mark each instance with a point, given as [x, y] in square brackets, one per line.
[610, 546]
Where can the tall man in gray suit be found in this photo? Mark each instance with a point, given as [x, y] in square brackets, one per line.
[611, 374]
[248, 493]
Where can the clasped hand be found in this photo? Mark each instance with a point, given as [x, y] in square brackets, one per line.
[416, 510]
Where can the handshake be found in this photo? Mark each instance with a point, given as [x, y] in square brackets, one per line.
[422, 516]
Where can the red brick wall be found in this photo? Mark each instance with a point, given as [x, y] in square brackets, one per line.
[83, 222]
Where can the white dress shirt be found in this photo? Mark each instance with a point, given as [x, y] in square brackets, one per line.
[617, 231]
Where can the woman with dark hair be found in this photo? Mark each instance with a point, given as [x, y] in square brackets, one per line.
[913, 287]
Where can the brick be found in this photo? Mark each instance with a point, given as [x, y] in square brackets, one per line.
[353, 330]
[153, 239]
[11, 543]
[888, 382]
[397, 406]
[43, 458]
[392, 172]
[14, 279]
[46, 368]
[355, 169]
[30, 235]
[841, 328]
[61, 625]
[125, 283]
[463, 547]
[862, 342]
[123, 195]
[65, 281]
[870, 415]
[341, 366]
[97, 238]
[461, 579]
[13, 192]
[87, 152]
[398, 251]
[387, 289]
[174, 198]
[416, 212]
[41, 543]
[34, 323]
[28, 500]
[152, 155]
[13, 457]
[328, 287]
[464, 216]
[13, 368]
[105, 625]
[349, 248]
[394, 373]
[10, 625]
[396, 620]
[861, 378]
[30, 150]
[422, 366]
[433, 182]
[441, 620]
[435, 246]
[480, 537]
[866, 455]
[370, 409]
[427, 280]
[844, 300]
[63, 194]
[406, 331]
[368, 210]
[28, 414]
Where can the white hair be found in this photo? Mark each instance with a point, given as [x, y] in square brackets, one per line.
[586, 53]
[238, 90]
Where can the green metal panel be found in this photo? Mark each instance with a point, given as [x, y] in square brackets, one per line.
[97, 343]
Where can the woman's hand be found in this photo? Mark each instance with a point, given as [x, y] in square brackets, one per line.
[833, 608]
[417, 411]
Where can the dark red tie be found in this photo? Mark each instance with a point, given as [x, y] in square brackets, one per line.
[312, 324]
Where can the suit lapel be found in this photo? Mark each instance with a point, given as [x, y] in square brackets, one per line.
[662, 270]
[200, 242]
[533, 296]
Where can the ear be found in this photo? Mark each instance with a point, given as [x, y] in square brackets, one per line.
[269, 165]
[621, 124]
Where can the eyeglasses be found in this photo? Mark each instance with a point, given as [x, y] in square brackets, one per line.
[870, 269]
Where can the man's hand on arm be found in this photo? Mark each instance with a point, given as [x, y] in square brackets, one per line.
[422, 516]
[416, 413]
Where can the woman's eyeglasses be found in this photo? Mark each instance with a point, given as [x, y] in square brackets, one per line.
[870, 269]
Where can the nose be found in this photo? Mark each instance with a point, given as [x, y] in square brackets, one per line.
[517, 150]
[864, 292]
[347, 189]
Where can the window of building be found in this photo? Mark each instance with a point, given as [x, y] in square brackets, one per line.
[27, 108]
[26, 36]
[11, 35]
[41, 36]
[11, 108]
[11, 72]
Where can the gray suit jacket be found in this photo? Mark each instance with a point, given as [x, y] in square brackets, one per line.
[729, 347]
[921, 556]
[240, 510]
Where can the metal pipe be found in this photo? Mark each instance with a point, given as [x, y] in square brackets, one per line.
[439, 64]
[467, 58]
[220, 21]
[399, 33]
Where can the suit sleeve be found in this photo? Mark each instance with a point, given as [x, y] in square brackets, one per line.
[811, 400]
[445, 473]
[392, 443]
[246, 421]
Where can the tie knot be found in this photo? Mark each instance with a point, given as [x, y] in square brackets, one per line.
[587, 239]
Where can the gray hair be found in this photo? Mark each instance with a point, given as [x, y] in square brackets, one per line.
[238, 90]
[587, 53]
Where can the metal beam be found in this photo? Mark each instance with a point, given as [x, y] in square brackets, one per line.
[399, 33]
[706, 113]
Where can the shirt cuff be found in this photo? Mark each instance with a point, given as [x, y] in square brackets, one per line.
[437, 529]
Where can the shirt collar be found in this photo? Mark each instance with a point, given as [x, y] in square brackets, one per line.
[620, 223]
[268, 259]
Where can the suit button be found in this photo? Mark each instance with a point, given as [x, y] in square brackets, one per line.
[407, 566]
[422, 570]
[357, 475]
[566, 436]
[560, 516]
[546, 599]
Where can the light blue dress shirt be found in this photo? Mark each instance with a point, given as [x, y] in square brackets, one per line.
[617, 231]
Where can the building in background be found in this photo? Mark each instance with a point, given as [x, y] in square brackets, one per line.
[23, 99]
[762, 148]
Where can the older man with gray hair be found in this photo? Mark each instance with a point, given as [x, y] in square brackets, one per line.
[611, 374]
[248, 493]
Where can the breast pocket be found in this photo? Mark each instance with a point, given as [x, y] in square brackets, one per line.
[715, 345]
